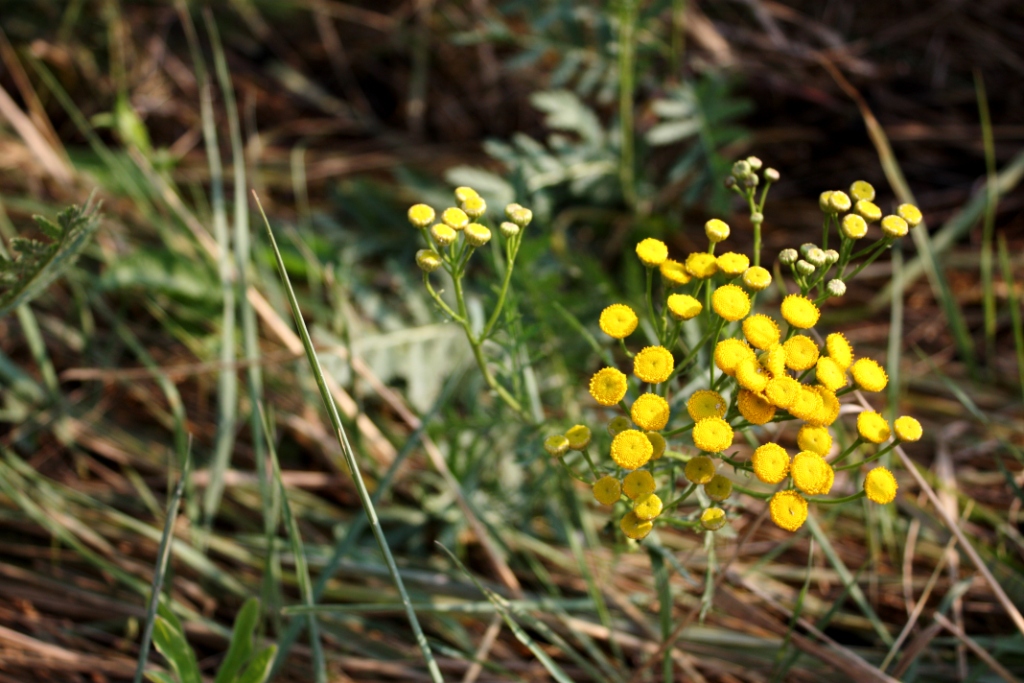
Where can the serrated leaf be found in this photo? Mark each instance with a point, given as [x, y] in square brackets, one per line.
[566, 111]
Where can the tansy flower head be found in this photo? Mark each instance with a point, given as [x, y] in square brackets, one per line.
[674, 273]
[872, 427]
[894, 226]
[716, 230]
[829, 410]
[806, 405]
[799, 311]
[657, 443]
[712, 519]
[649, 412]
[854, 226]
[730, 302]
[839, 201]
[862, 189]
[608, 386]
[754, 409]
[428, 260]
[520, 216]
[463, 193]
[607, 490]
[788, 510]
[719, 488]
[880, 486]
[477, 235]
[801, 352]
[443, 234]
[712, 434]
[751, 375]
[684, 306]
[652, 252]
[638, 483]
[761, 331]
[618, 321]
[701, 264]
[869, 375]
[756, 278]
[556, 445]
[634, 527]
[814, 439]
[770, 462]
[654, 364]
[782, 392]
[732, 264]
[868, 210]
[509, 229]
[579, 437]
[421, 215]
[700, 470]
[631, 449]
[774, 361]
[823, 201]
[647, 506]
[455, 218]
[474, 206]
[706, 403]
[907, 428]
[829, 374]
[811, 474]
[729, 353]
[617, 424]
[911, 214]
[839, 350]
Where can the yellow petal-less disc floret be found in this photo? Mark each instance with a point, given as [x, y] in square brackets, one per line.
[719, 488]
[701, 264]
[674, 272]
[770, 462]
[880, 486]
[829, 374]
[811, 474]
[455, 218]
[712, 434]
[782, 392]
[907, 428]
[774, 361]
[872, 427]
[854, 226]
[814, 439]
[474, 206]
[712, 519]
[658, 443]
[829, 411]
[631, 449]
[732, 264]
[757, 279]
[839, 349]
[579, 437]
[618, 321]
[462, 193]
[556, 445]
[731, 302]
[754, 408]
[761, 331]
[729, 353]
[706, 403]
[868, 210]
[700, 470]
[608, 386]
[788, 510]
[653, 364]
[716, 230]
[647, 506]
[652, 252]
[807, 404]
[839, 201]
[862, 189]
[634, 527]
[801, 352]
[684, 306]
[443, 235]
[649, 412]
[910, 213]
[869, 375]
[421, 215]
[823, 201]
[799, 311]
[751, 376]
[638, 483]
[607, 490]
[894, 226]
[477, 235]
[428, 260]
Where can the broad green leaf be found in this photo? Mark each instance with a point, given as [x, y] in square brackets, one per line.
[241, 641]
[172, 645]
[260, 667]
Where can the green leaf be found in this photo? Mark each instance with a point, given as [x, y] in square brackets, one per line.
[260, 667]
[171, 643]
[159, 677]
[241, 641]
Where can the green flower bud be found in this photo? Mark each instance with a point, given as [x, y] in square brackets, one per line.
[771, 175]
[712, 519]
[522, 217]
[477, 235]
[804, 268]
[831, 256]
[619, 423]
[428, 260]
[816, 257]
[836, 287]
[474, 207]
[741, 169]
[754, 163]
[806, 247]
[788, 257]
[509, 230]
[556, 445]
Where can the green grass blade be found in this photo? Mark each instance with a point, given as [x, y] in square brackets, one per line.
[782, 665]
[260, 667]
[350, 458]
[988, 224]
[661, 584]
[241, 641]
[171, 643]
[1015, 316]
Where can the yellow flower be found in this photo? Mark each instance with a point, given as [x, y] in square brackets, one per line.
[894, 226]
[607, 490]
[608, 386]
[474, 206]
[869, 375]
[862, 189]
[712, 434]
[854, 226]
[774, 361]
[631, 449]
[700, 469]
[719, 488]
[911, 214]
[811, 474]
[839, 349]
[801, 352]
[907, 428]
[652, 252]
[729, 353]
[868, 210]
[706, 403]
[443, 234]
[770, 462]
[463, 193]
[880, 486]
[814, 439]
[618, 321]
[421, 215]
[455, 218]
[829, 411]
[653, 364]
[799, 311]
[732, 264]
[477, 235]
[761, 331]
[617, 424]
[638, 483]
[649, 412]
[712, 519]
[657, 443]
[751, 375]
[788, 510]
[428, 260]
[556, 445]
[730, 302]
[823, 201]
[647, 506]
[673, 272]
[754, 409]
[829, 374]
[716, 230]
[683, 306]
[872, 427]
[839, 201]
[634, 527]
[757, 279]
[521, 216]
[807, 404]
[701, 265]
[579, 437]
[782, 392]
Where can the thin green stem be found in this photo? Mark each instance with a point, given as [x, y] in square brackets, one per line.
[865, 461]
[750, 492]
[440, 302]
[837, 501]
[627, 26]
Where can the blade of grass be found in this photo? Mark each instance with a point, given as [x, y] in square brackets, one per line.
[781, 666]
[1013, 297]
[350, 458]
[661, 584]
[988, 224]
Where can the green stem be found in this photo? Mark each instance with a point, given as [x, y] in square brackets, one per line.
[627, 24]
[440, 302]
[650, 304]
[510, 262]
[749, 492]
[681, 430]
[682, 497]
[865, 461]
[850, 449]
[837, 501]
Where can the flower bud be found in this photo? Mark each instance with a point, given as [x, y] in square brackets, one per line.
[854, 226]
[894, 226]
[428, 260]
[804, 268]
[816, 257]
[806, 247]
[463, 193]
[730, 182]
[474, 207]
[716, 230]
[750, 181]
[477, 235]
[839, 201]
[868, 210]
[617, 424]
[443, 234]
[556, 445]
[823, 201]
[911, 214]
[757, 217]
[754, 163]
[511, 208]
[421, 215]
[831, 256]
[741, 169]
[788, 257]
[579, 437]
[522, 217]
[862, 189]
[771, 175]
[509, 230]
[455, 218]
[712, 519]
[836, 287]
[757, 279]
